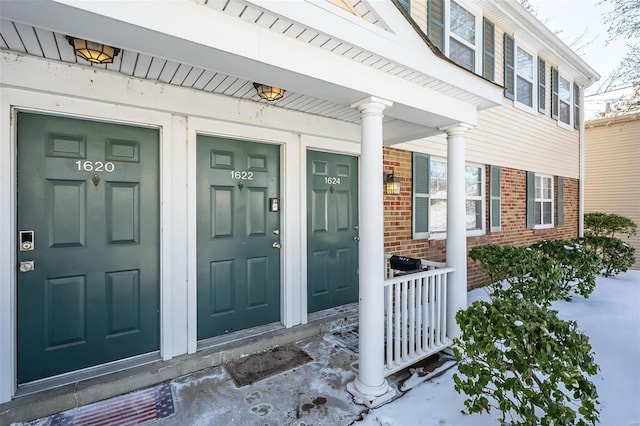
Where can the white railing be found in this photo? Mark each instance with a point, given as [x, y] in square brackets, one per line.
[415, 315]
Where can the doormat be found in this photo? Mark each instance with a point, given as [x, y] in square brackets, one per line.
[254, 368]
[136, 408]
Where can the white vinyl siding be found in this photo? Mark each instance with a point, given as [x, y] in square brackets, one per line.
[503, 137]
[612, 155]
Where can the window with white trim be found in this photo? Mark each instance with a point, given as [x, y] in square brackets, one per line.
[456, 30]
[544, 200]
[564, 99]
[430, 183]
[524, 77]
[539, 200]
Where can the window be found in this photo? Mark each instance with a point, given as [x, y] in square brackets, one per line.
[542, 85]
[462, 41]
[539, 200]
[564, 99]
[524, 72]
[455, 30]
[430, 197]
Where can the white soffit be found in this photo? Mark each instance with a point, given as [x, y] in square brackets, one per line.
[114, 24]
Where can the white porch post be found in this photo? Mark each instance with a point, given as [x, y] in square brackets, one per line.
[370, 386]
[456, 227]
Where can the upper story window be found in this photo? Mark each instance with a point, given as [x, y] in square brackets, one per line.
[462, 40]
[564, 99]
[455, 30]
[524, 71]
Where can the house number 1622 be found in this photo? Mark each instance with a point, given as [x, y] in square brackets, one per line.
[95, 166]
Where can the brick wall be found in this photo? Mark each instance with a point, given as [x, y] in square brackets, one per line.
[398, 216]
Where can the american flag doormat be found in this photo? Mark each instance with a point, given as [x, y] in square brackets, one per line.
[136, 408]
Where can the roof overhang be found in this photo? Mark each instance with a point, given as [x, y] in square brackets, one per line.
[201, 36]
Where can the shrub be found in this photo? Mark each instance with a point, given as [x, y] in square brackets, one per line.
[530, 274]
[605, 224]
[616, 255]
[520, 358]
[579, 266]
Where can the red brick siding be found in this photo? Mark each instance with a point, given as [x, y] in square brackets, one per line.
[398, 216]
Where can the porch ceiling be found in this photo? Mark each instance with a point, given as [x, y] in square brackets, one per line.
[322, 73]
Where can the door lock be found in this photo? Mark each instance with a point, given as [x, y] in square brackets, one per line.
[276, 232]
[356, 238]
[276, 245]
[27, 242]
[27, 266]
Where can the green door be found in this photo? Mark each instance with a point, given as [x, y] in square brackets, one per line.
[88, 220]
[332, 230]
[238, 235]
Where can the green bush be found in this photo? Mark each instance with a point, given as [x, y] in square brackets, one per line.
[520, 358]
[605, 224]
[616, 255]
[530, 274]
[579, 266]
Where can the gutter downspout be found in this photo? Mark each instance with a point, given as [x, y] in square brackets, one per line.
[582, 146]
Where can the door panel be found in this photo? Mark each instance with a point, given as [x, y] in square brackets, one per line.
[93, 296]
[332, 248]
[238, 267]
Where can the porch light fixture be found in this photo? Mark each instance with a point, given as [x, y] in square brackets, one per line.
[391, 184]
[96, 53]
[269, 93]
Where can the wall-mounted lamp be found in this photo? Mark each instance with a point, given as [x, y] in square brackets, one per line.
[391, 184]
[97, 53]
[268, 93]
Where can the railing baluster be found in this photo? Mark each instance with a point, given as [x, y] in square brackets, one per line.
[388, 339]
[396, 320]
[412, 317]
[415, 317]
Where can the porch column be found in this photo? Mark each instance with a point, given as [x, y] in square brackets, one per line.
[456, 226]
[371, 387]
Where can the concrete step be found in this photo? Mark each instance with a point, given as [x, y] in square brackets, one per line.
[211, 353]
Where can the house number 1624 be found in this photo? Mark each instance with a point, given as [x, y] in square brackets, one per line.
[332, 180]
[95, 166]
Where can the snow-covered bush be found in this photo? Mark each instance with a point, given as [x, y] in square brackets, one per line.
[579, 266]
[520, 272]
[521, 359]
[600, 230]
[616, 255]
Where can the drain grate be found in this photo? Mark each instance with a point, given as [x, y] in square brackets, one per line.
[347, 337]
[136, 408]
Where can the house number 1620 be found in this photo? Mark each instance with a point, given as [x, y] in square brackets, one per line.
[95, 166]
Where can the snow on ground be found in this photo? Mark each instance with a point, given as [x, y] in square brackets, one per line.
[611, 319]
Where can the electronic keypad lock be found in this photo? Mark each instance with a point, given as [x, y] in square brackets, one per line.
[27, 242]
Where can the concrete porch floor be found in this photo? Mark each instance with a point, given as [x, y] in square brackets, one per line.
[204, 393]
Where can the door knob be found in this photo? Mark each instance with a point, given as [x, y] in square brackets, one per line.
[356, 238]
[27, 266]
[276, 245]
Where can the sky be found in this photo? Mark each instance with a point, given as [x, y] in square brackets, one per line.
[573, 17]
[611, 320]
